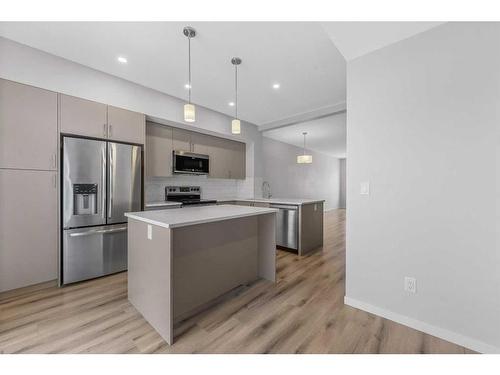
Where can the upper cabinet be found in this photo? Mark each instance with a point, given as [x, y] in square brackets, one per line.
[181, 140]
[92, 119]
[28, 127]
[126, 126]
[158, 150]
[237, 167]
[82, 117]
[227, 157]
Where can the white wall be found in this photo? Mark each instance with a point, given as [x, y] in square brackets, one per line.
[423, 119]
[291, 180]
[27, 65]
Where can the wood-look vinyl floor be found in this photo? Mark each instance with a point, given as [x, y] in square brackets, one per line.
[302, 313]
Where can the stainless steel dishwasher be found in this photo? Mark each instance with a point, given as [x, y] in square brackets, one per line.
[287, 223]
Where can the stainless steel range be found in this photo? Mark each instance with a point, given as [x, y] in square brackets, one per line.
[187, 195]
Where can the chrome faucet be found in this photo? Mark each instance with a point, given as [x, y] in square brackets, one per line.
[266, 190]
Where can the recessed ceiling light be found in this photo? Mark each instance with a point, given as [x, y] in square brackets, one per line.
[187, 86]
[276, 86]
[122, 59]
[231, 104]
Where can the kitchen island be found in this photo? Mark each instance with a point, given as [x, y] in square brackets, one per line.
[182, 260]
[299, 221]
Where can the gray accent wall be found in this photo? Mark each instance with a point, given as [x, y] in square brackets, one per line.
[423, 129]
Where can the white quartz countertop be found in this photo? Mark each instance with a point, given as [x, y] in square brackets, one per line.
[181, 217]
[163, 203]
[291, 201]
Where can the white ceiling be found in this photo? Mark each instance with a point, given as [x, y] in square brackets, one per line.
[299, 56]
[354, 39]
[303, 57]
[326, 135]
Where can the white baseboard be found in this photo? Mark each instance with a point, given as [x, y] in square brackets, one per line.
[442, 333]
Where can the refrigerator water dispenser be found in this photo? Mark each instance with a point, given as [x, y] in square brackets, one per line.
[84, 199]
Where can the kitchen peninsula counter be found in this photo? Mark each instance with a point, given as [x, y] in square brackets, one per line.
[182, 260]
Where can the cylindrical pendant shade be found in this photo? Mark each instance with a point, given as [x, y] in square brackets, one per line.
[236, 126]
[304, 159]
[189, 113]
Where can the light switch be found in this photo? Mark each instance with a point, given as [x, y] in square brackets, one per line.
[364, 188]
[150, 232]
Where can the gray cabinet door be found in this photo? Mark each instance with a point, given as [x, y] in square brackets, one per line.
[28, 127]
[28, 227]
[126, 126]
[82, 117]
[158, 150]
[181, 140]
[237, 160]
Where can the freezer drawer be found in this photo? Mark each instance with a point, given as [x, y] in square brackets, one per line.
[287, 222]
[94, 252]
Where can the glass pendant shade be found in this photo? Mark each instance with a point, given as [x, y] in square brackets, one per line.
[189, 113]
[236, 126]
[304, 159]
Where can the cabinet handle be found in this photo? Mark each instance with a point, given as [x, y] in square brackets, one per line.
[104, 130]
[54, 181]
[110, 130]
[53, 160]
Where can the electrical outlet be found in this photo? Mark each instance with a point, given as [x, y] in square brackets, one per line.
[150, 232]
[410, 285]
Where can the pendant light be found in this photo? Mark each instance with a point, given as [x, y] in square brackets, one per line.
[235, 124]
[304, 158]
[189, 110]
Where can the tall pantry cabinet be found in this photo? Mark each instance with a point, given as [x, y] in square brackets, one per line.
[28, 185]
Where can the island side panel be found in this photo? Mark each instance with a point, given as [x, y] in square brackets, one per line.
[311, 227]
[211, 259]
[267, 247]
[149, 275]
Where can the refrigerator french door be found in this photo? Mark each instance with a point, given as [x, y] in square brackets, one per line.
[101, 181]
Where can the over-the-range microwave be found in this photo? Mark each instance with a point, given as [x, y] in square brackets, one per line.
[190, 163]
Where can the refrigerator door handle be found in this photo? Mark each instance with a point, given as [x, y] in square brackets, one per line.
[99, 231]
[103, 183]
[111, 158]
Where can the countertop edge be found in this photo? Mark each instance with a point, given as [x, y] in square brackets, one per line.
[195, 222]
[271, 201]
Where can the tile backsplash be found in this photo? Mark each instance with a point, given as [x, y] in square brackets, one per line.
[210, 187]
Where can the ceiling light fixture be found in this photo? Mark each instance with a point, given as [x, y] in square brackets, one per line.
[235, 124]
[187, 85]
[231, 104]
[122, 60]
[189, 110]
[276, 86]
[304, 158]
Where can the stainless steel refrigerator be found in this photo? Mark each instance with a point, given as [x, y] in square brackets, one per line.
[100, 182]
